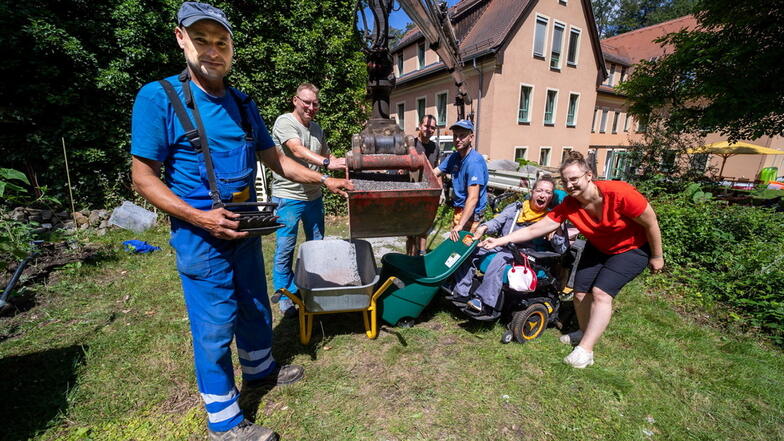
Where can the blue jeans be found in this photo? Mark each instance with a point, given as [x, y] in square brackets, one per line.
[291, 212]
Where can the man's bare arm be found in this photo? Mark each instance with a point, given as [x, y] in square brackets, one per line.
[468, 212]
[294, 171]
[146, 179]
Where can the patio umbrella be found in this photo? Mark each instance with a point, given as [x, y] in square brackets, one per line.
[725, 150]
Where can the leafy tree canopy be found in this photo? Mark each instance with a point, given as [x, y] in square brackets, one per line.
[76, 66]
[725, 76]
[615, 17]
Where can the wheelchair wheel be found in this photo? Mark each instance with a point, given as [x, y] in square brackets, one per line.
[507, 337]
[530, 323]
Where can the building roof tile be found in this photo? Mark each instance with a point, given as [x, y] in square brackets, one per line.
[479, 24]
[639, 44]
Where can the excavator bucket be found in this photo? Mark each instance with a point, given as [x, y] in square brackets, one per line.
[388, 204]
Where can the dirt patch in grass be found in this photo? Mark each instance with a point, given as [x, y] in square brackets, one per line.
[184, 397]
[49, 257]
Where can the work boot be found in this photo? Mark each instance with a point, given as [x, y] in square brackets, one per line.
[244, 431]
[287, 307]
[288, 374]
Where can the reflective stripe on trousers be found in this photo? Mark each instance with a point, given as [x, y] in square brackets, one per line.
[226, 297]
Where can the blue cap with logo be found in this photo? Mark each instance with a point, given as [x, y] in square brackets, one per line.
[191, 12]
[463, 124]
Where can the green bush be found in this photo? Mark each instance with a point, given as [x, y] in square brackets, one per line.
[727, 253]
[16, 236]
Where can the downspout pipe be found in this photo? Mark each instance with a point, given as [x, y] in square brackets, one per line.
[479, 97]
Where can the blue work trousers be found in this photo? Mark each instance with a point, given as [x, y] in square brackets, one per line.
[291, 212]
[226, 298]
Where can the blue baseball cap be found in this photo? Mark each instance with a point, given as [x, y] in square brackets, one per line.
[463, 124]
[191, 12]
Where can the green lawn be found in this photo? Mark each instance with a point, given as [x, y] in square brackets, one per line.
[105, 355]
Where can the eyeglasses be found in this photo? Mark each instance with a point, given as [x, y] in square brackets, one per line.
[573, 180]
[315, 104]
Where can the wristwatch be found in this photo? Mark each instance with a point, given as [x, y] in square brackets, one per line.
[325, 163]
[324, 177]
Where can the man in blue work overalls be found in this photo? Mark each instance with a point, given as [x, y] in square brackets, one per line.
[221, 269]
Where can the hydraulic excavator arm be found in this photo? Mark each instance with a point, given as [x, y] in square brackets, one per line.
[433, 22]
[395, 204]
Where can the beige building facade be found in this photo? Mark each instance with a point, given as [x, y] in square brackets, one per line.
[542, 83]
[532, 70]
[610, 146]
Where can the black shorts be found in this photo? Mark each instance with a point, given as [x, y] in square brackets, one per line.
[609, 272]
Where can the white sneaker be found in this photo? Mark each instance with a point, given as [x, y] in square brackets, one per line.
[572, 338]
[579, 358]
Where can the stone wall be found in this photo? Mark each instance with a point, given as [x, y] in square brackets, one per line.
[49, 220]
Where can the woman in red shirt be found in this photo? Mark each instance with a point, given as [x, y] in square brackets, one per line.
[623, 238]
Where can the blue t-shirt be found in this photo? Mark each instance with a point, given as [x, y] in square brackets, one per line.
[157, 134]
[471, 170]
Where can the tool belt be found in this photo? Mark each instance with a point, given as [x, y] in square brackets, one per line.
[256, 218]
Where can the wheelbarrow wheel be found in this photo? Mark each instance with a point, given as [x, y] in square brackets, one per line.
[529, 324]
[405, 322]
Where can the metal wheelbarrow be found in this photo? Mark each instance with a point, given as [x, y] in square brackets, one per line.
[334, 276]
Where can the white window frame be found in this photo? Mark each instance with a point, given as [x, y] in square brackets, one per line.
[421, 62]
[401, 121]
[530, 102]
[593, 121]
[603, 121]
[616, 117]
[611, 75]
[563, 2]
[637, 127]
[608, 168]
[543, 55]
[626, 122]
[400, 64]
[549, 150]
[446, 108]
[555, 107]
[424, 110]
[563, 27]
[577, 48]
[564, 149]
[517, 148]
[576, 109]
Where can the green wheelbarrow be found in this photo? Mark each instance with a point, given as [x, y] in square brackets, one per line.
[419, 278]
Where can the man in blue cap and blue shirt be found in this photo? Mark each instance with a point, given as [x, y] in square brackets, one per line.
[221, 268]
[469, 179]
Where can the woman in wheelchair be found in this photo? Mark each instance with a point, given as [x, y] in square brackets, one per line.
[515, 216]
[623, 238]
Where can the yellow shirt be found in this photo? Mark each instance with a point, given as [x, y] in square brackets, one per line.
[528, 214]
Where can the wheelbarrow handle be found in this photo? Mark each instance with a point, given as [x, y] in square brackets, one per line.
[284, 292]
[398, 283]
